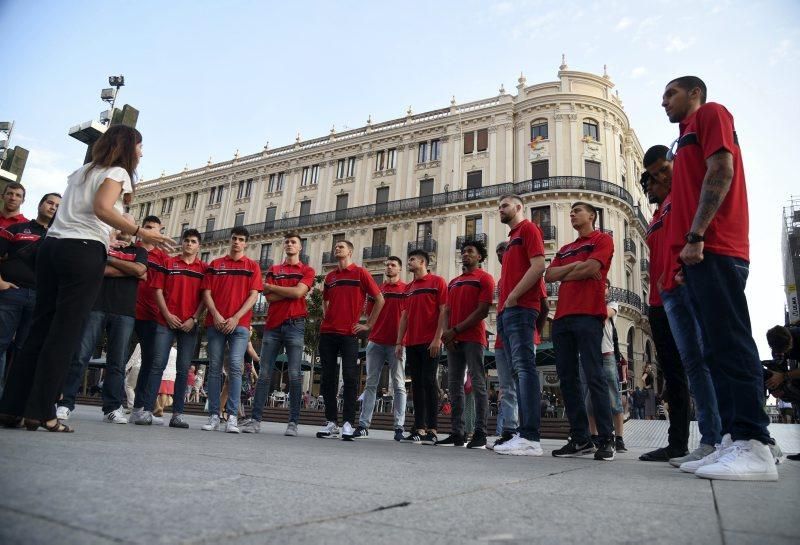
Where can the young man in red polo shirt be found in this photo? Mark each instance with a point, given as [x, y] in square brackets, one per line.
[380, 350]
[344, 294]
[178, 296]
[469, 297]
[582, 267]
[13, 197]
[518, 308]
[146, 321]
[230, 289]
[426, 297]
[286, 286]
[708, 235]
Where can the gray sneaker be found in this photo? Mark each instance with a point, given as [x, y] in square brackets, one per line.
[697, 454]
[250, 426]
[177, 421]
[142, 418]
[291, 430]
[232, 425]
[213, 423]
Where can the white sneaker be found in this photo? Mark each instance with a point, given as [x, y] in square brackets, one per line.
[699, 453]
[347, 431]
[116, 417]
[329, 431]
[518, 446]
[158, 420]
[232, 426]
[777, 453]
[719, 450]
[745, 461]
[62, 413]
[213, 423]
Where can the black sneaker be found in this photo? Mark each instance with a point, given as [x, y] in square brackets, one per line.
[506, 436]
[596, 440]
[572, 449]
[793, 457]
[619, 444]
[478, 440]
[358, 433]
[398, 434]
[663, 454]
[454, 440]
[605, 451]
[429, 439]
[413, 437]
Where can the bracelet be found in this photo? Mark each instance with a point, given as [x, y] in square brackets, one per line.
[136, 232]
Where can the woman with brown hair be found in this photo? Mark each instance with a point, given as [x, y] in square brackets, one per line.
[69, 273]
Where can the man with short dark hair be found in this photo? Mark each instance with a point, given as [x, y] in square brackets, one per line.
[380, 350]
[230, 289]
[420, 332]
[285, 288]
[582, 267]
[13, 197]
[708, 239]
[469, 297]
[344, 294]
[18, 245]
[178, 295]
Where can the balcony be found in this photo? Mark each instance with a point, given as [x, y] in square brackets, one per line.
[265, 264]
[479, 237]
[548, 232]
[329, 259]
[630, 249]
[644, 267]
[552, 288]
[426, 245]
[374, 253]
[438, 201]
[626, 297]
[260, 309]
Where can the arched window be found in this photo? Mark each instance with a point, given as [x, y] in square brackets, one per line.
[591, 130]
[538, 129]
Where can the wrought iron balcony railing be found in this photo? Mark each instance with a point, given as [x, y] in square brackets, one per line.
[645, 266]
[428, 245]
[376, 252]
[480, 237]
[630, 246]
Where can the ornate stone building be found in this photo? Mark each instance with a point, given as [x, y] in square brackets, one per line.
[427, 180]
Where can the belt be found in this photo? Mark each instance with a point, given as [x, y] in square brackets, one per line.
[608, 353]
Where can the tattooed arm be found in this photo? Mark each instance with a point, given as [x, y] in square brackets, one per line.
[717, 182]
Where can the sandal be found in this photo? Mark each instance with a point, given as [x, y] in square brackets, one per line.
[10, 421]
[33, 425]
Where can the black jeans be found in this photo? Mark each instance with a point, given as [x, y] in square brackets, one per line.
[69, 273]
[146, 335]
[675, 381]
[422, 370]
[332, 346]
[577, 342]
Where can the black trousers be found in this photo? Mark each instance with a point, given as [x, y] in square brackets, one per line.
[675, 381]
[425, 392]
[331, 346]
[69, 274]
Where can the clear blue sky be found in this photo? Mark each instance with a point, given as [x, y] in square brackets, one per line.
[213, 77]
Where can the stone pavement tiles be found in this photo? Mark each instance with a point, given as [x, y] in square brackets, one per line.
[109, 483]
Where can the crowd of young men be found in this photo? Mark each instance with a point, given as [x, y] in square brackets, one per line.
[698, 240]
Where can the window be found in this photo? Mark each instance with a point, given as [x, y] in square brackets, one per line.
[539, 129]
[482, 137]
[590, 130]
[381, 200]
[310, 175]
[210, 224]
[194, 200]
[305, 207]
[340, 164]
[434, 155]
[474, 184]
[426, 192]
[266, 253]
[600, 221]
[540, 215]
[625, 229]
[144, 209]
[540, 170]
[341, 206]
[390, 158]
[219, 193]
[269, 220]
[205, 256]
[351, 167]
[245, 186]
[337, 237]
[187, 203]
[166, 205]
[184, 227]
[473, 226]
[378, 278]
[275, 182]
[422, 152]
[379, 161]
[238, 219]
[378, 237]
[424, 231]
[212, 193]
[592, 169]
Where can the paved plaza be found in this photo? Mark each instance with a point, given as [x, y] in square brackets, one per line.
[129, 484]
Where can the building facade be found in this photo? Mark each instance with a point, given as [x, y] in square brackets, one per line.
[428, 180]
[790, 250]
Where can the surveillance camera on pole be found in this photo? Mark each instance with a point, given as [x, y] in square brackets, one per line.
[12, 161]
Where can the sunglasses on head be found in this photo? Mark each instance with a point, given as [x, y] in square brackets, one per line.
[673, 150]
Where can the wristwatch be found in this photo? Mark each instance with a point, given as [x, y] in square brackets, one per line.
[694, 238]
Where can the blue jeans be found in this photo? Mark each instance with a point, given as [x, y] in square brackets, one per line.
[118, 330]
[576, 339]
[507, 411]
[377, 355]
[289, 335]
[688, 339]
[16, 313]
[611, 377]
[515, 325]
[237, 343]
[162, 343]
[716, 291]
[145, 332]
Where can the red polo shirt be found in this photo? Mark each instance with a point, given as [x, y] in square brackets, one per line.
[231, 282]
[181, 283]
[464, 294]
[146, 307]
[656, 241]
[424, 296]
[288, 276]
[385, 330]
[11, 220]
[584, 297]
[524, 243]
[709, 130]
[346, 291]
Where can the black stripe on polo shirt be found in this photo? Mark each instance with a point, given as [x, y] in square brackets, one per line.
[5, 234]
[586, 248]
[184, 272]
[343, 282]
[421, 291]
[229, 272]
[157, 266]
[516, 241]
[390, 295]
[287, 275]
[459, 283]
[691, 139]
[660, 222]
